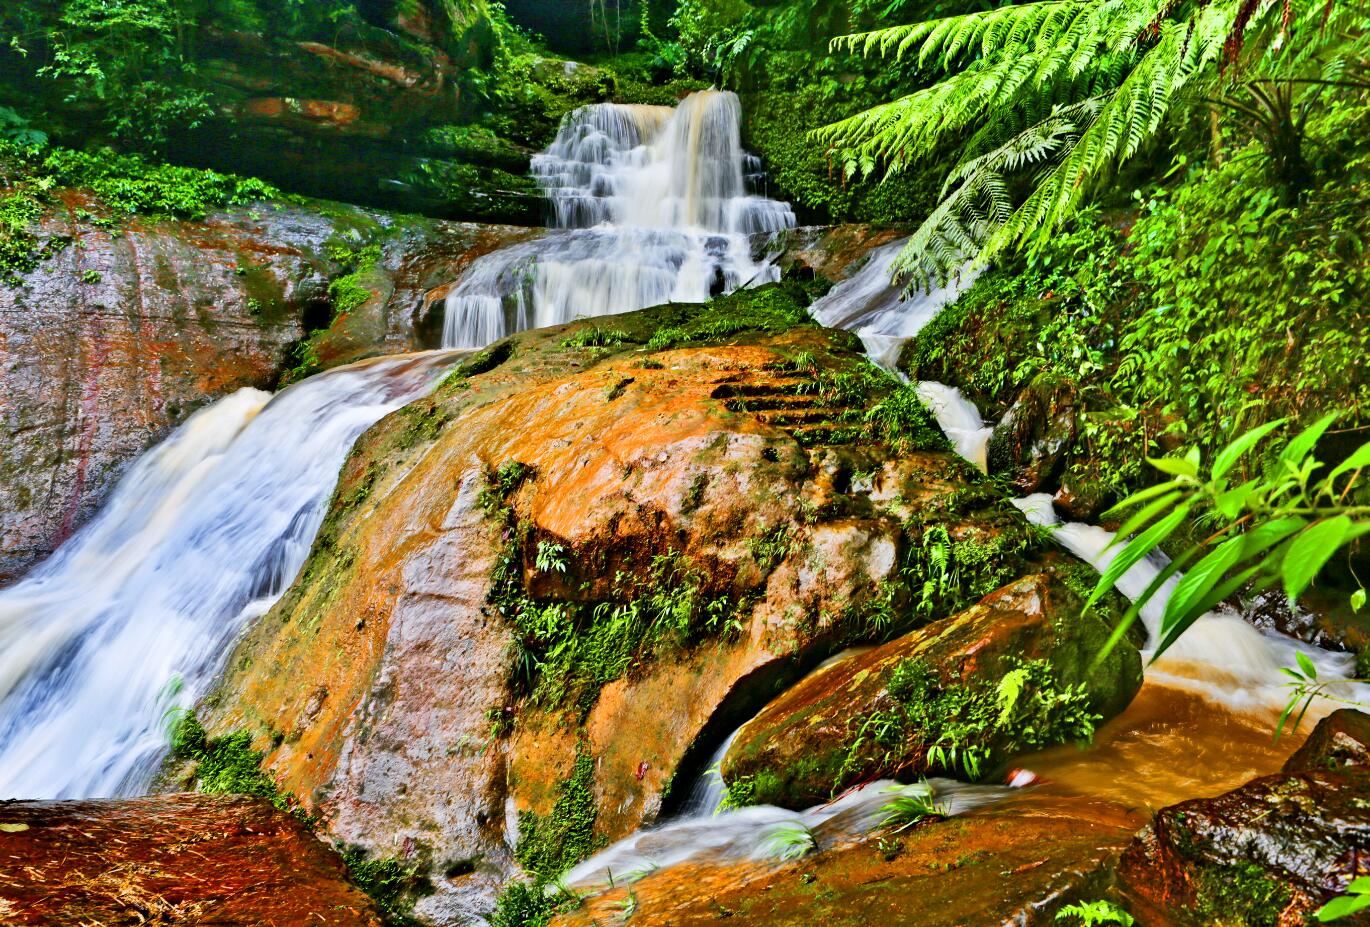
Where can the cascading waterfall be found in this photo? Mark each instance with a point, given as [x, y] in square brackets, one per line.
[135, 615]
[747, 833]
[648, 205]
[1221, 657]
[878, 311]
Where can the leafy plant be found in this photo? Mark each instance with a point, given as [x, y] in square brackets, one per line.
[1305, 687]
[788, 841]
[909, 806]
[551, 557]
[1059, 92]
[1282, 526]
[961, 728]
[1356, 898]
[1090, 913]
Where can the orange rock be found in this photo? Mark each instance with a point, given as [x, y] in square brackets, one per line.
[174, 859]
[1015, 862]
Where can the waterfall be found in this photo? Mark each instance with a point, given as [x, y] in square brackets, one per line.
[648, 205]
[136, 613]
[1220, 656]
[876, 309]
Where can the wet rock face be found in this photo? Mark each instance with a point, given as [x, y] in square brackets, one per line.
[1013, 863]
[1268, 853]
[1340, 739]
[175, 859]
[120, 336]
[1029, 443]
[816, 739]
[385, 683]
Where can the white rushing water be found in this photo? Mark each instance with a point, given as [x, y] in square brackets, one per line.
[136, 613]
[1221, 656]
[750, 833]
[876, 309]
[649, 205]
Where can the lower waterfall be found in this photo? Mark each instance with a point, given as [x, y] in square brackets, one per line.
[135, 615]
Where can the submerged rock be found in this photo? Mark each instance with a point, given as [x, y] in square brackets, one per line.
[934, 700]
[1340, 739]
[1268, 853]
[173, 859]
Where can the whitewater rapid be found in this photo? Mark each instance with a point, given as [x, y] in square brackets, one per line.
[647, 204]
[134, 615]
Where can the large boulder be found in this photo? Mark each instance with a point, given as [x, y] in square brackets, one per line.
[1267, 854]
[173, 859]
[557, 583]
[120, 336]
[938, 700]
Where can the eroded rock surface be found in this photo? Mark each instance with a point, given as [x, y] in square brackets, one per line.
[1013, 863]
[125, 332]
[173, 859]
[1268, 853]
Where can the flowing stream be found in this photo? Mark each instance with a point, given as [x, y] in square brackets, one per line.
[648, 204]
[136, 613]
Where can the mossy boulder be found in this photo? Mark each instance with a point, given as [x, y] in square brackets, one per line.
[937, 700]
[681, 507]
[1267, 854]
[1028, 445]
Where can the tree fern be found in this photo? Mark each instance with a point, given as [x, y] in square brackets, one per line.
[1066, 90]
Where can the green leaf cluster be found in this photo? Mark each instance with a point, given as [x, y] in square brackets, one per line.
[1279, 525]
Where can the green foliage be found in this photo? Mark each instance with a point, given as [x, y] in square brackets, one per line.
[960, 728]
[771, 308]
[910, 805]
[130, 184]
[1038, 104]
[549, 846]
[347, 292]
[223, 765]
[1356, 898]
[127, 59]
[1281, 525]
[1092, 913]
[391, 883]
[787, 841]
[564, 652]
[1251, 310]
[592, 336]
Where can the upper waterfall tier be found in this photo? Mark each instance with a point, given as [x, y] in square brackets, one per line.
[655, 167]
[647, 205]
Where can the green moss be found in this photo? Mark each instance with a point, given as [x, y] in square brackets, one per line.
[479, 363]
[961, 729]
[226, 765]
[1241, 895]
[393, 884]
[775, 307]
[550, 845]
